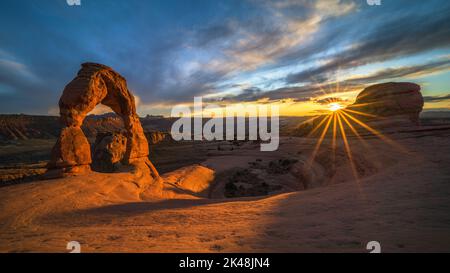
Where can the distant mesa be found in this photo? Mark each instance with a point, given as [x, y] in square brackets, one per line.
[97, 84]
[14, 127]
[391, 105]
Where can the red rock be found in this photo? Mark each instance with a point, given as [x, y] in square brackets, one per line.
[391, 99]
[70, 149]
[155, 137]
[108, 151]
[95, 84]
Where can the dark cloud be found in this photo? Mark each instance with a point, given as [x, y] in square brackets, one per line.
[329, 100]
[392, 73]
[23, 91]
[295, 94]
[248, 94]
[437, 98]
[208, 35]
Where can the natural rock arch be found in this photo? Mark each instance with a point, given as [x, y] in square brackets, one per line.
[96, 84]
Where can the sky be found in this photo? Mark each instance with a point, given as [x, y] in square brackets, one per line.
[297, 54]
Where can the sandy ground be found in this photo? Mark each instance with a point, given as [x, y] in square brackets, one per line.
[401, 199]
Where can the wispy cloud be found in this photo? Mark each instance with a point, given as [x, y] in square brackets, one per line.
[437, 98]
[397, 36]
[402, 72]
[328, 100]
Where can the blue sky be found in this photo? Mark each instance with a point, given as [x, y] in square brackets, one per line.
[284, 51]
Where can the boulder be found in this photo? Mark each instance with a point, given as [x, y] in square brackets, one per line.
[155, 137]
[393, 99]
[108, 151]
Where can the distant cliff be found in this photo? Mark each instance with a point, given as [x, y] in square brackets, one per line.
[21, 127]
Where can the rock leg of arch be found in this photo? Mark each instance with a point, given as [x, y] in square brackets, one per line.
[95, 84]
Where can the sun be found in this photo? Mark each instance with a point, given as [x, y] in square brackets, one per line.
[335, 106]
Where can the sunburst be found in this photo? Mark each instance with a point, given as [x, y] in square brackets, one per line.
[335, 106]
[335, 123]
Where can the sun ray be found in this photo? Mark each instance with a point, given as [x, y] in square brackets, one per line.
[333, 141]
[361, 113]
[348, 152]
[337, 81]
[311, 120]
[355, 132]
[325, 93]
[319, 125]
[319, 142]
[356, 105]
[345, 84]
[352, 128]
[346, 145]
[375, 132]
[364, 142]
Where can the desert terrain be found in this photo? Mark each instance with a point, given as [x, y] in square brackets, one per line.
[372, 171]
[230, 197]
[271, 126]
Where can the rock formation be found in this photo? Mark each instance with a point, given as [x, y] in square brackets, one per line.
[108, 151]
[95, 84]
[14, 127]
[391, 99]
[155, 137]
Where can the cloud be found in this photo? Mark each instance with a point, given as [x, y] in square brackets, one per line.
[197, 62]
[406, 71]
[281, 30]
[328, 100]
[206, 36]
[437, 98]
[393, 37]
[15, 74]
[21, 90]
[310, 92]
[247, 94]
[267, 34]
[206, 49]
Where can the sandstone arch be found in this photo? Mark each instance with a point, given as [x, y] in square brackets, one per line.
[95, 84]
